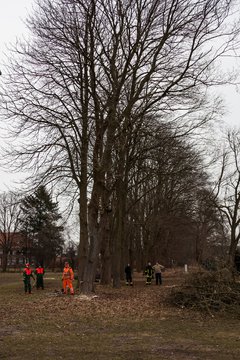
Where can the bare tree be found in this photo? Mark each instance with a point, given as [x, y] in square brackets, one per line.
[228, 191]
[9, 223]
[133, 61]
[162, 196]
[208, 225]
[93, 70]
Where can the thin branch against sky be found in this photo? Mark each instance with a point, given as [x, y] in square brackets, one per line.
[12, 26]
[12, 16]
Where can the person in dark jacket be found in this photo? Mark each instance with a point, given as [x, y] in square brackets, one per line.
[128, 273]
[27, 275]
[39, 272]
[149, 273]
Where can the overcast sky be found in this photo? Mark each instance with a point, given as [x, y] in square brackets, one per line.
[12, 14]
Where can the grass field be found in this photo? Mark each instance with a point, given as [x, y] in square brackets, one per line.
[130, 323]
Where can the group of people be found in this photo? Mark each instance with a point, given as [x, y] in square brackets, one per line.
[68, 276]
[150, 271]
[28, 274]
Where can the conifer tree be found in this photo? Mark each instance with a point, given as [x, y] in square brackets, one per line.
[39, 223]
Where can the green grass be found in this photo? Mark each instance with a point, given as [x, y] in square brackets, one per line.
[119, 324]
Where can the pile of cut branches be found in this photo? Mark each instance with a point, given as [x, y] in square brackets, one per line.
[209, 291]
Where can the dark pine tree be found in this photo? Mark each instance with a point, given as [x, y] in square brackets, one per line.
[39, 224]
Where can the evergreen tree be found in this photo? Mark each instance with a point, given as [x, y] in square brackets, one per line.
[39, 223]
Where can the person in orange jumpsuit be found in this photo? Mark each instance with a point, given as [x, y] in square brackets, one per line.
[67, 278]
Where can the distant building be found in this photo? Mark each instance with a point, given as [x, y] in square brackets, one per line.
[18, 253]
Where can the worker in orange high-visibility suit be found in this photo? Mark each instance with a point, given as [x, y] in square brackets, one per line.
[67, 278]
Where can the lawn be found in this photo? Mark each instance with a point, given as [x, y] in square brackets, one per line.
[130, 323]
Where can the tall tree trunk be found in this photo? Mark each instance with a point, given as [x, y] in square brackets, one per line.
[105, 230]
[87, 285]
[106, 270]
[233, 247]
[116, 259]
[83, 244]
[83, 216]
[118, 240]
[4, 260]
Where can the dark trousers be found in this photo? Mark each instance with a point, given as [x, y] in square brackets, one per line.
[128, 279]
[27, 286]
[149, 280]
[40, 282]
[158, 277]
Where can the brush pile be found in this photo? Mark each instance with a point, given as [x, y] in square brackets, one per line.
[209, 291]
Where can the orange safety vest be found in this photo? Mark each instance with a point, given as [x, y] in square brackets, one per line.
[39, 270]
[28, 271]
[67, 273]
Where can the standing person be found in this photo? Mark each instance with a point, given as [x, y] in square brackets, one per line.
[158, 273]
[27, 275]
[67, 278]
[149, 273]
[128, 273]
[39, 276]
